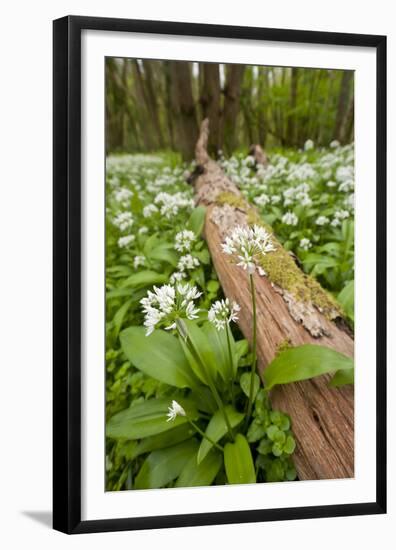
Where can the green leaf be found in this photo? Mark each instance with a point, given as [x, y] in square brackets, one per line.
[217, 428]
[144, 278]
[347, 299]
[303, 362]
[203, 349]
[213, 286]
[163, 466]
[164, 253]
[245, 384]
[196, 474]
[163, 440]
[145, 419]
[197, 220]
[343, 377]
[218, 342]
[159, 355]
[238, 461]
[118, 318]
[290, 445]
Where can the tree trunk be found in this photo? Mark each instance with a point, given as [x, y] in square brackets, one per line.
[210, 102]
[232, 93]
[343, 98]
[291, 119]
[183, 107]
[152, 103]
[322, 417]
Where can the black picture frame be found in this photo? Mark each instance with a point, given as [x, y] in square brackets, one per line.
[67, 273]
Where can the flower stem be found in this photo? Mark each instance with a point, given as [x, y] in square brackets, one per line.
[203, 434]
[254, 348]
[184, 335]
[231, 364]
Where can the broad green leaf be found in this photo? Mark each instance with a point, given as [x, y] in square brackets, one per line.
[347, 299]
[164, 253]
[238, 461]
[163, 440]
[145, 419]
[303, 362]
[120, 315]
[200, 348]
[343, 377]
[144, 278]
[159, 355]
[197, 220]
[203, 474]
[217, 428]
[226, 365]
[163, 466]
[245, 384]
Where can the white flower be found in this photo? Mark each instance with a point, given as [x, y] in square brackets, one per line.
[322, 220]
[167, 304]
[248, 244]
[123, 196]
[138, 261]
[175, 410]
[222, 313]
[346, 186]
[149, 210]
[125, 241]
[143, 230]
[308, 145]
[187, 262]
[123, 220]
[341, 214]
[290, 218]
[275, 199]
[334, 144]
[176, 277]
[262, 199]
[184, 240]
[171, 204]
[305, 244]
[335, 222]
[331, 183]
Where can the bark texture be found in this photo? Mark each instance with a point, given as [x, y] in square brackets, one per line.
[322, 417]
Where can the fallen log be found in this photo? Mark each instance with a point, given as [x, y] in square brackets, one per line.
[291, 308]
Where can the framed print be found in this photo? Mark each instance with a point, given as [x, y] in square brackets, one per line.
[219, 274]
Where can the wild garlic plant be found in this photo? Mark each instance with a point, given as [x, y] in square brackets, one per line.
[246, 246]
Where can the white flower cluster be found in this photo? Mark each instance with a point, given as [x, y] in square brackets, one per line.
[305, 244]
[339, 215]
[248, 244]
[184, 240]
[262, 199]
[322, 220]
[290, 218]
[138, 261]
[149, 210]
[223, 312]
[298, 194]
[123, 220]
[187, 263]
[171, 204]
[175, 410]
[167, 304]
[123, 196]
[123, 242]
[308, 145]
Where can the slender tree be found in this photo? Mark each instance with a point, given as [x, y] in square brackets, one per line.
[210, 102]
[291, 119]
[343, 98]
[231, 92]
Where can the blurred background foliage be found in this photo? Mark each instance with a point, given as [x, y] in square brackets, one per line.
[158, 105]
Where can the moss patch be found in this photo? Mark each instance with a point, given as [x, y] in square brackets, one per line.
[282, 270]
[233, 200]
